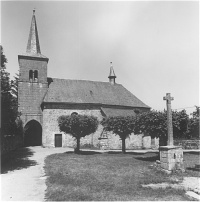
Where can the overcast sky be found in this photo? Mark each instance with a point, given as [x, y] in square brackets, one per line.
[154, 46]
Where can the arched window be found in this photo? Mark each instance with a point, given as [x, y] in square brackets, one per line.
[31, 75]
[74, 113]
[35, 75]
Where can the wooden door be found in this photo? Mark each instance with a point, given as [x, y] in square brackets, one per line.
[58, 140]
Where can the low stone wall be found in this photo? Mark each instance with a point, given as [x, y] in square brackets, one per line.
[188, 144]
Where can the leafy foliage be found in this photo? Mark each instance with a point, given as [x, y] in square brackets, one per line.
[8, 101]
[152, 123]
[78, 126]
[193, 131]
[180, 122]
[120, 125]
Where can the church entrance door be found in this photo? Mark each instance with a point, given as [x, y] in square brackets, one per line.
[33, 134]
[58, 140]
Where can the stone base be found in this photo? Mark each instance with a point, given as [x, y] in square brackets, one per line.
[171, 158]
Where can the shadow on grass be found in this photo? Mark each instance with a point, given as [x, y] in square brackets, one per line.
[149, 158]
[83, 152]
[131, 153]
[17, 160]
[192, 169]
[192, 152]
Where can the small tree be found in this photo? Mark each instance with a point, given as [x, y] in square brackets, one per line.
[154, 124]
[194, 124]
[122, 126]
[78, 126]
[180, 124]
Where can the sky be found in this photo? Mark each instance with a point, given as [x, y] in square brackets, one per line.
[153, 45]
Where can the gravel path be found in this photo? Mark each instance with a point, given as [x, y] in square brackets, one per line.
[28, 184]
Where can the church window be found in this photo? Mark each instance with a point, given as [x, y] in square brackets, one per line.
[35, 75]
[74, 113]
[31, 75]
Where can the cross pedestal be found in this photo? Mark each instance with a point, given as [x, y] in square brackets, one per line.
[171, 157]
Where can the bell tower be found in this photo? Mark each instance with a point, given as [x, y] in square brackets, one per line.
[32, 85]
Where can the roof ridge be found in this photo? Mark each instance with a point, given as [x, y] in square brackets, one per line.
[83, 80]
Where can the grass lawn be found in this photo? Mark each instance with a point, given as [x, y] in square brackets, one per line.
[92, 176]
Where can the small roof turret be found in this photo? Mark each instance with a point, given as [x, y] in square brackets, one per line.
[112, 75]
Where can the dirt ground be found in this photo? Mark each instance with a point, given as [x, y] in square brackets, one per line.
[28, 184]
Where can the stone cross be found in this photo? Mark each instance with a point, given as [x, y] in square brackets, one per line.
[168, 98]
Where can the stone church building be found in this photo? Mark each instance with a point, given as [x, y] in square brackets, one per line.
[43, 99]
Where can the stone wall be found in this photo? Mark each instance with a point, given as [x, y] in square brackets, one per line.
[188, 144]
[50, 127]
[109, 141]
[31, 93]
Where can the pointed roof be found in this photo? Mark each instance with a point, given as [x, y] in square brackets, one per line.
[33, 46]
[112, 73]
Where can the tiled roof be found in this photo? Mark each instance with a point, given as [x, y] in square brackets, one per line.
[117, 112]
[82, 91]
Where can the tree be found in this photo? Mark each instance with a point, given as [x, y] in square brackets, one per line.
[6, 96]
[194, 124]
[120, 125]
[8, 101]
[14, 92]
[78, 126]
[180, 124]
[152, 123]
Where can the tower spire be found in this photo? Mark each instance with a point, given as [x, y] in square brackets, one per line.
[112, 75]
[33, 46]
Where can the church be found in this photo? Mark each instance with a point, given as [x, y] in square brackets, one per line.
[43, 99]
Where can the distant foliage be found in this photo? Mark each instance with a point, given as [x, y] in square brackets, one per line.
[180, 124]
[154, 123]
[120, 125]
[8, 101]
[193, 131]
[78, 126]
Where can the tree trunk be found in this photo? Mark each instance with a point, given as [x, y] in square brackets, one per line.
[77, 149]
[123, 145]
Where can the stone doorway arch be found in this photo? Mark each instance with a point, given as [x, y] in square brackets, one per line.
[33, 134]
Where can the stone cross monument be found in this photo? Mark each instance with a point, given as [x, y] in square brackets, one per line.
[171, 157]
[168, 99]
